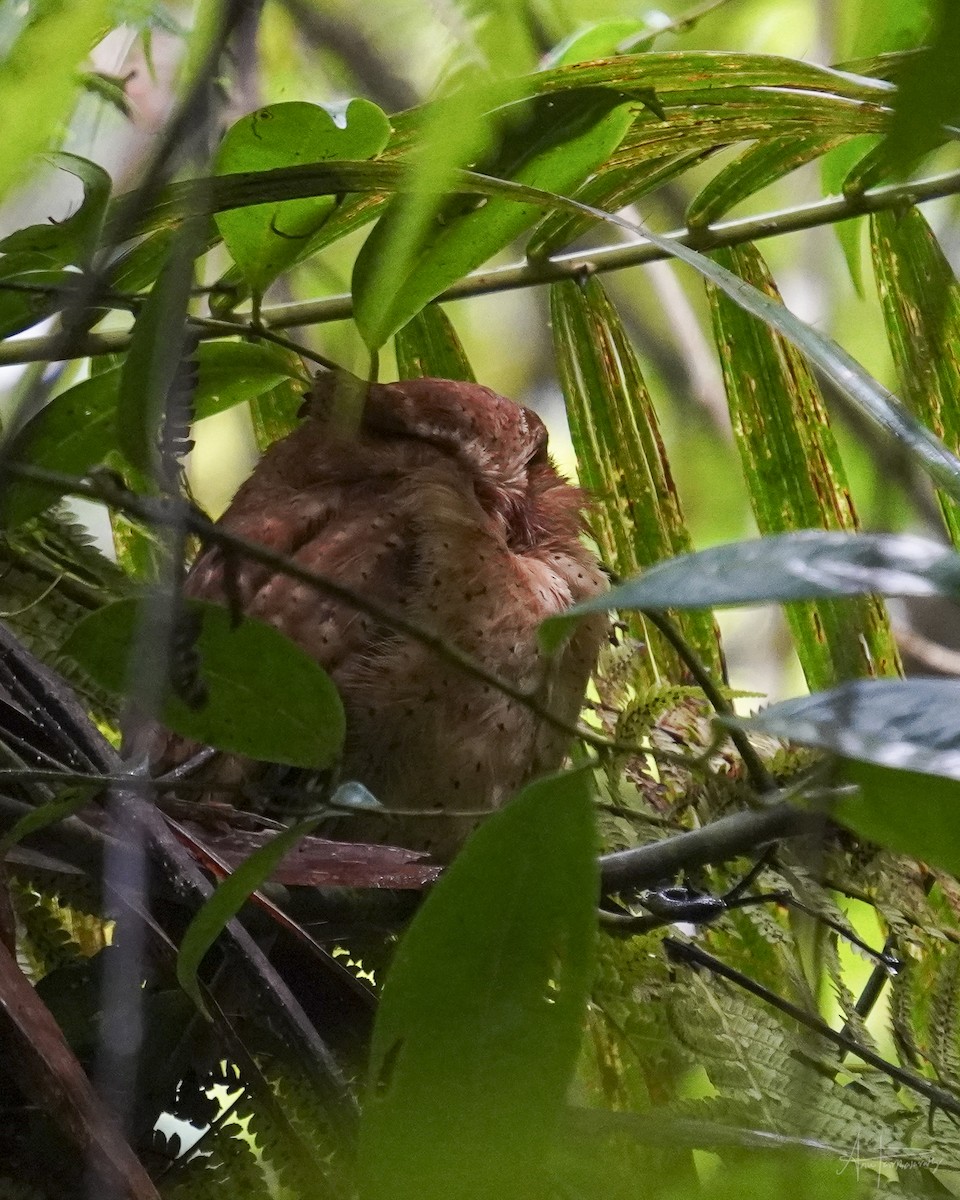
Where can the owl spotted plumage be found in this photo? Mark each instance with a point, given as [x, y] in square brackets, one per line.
[445, 508]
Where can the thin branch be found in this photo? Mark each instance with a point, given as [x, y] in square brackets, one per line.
[563, 266]
[724, 839]
[760, 777]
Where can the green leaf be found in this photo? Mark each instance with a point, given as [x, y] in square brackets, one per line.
[834, 170]
[71, 434]
[28, 297]
[38, 84]
[929, 95]
[276, 412]
[71, 241]
[808, 564]
[76, 429]
[755, 168]
[229, 373]
[612, 188]
[921, 307]
[480, 1022]
[553, 145]
[793, 472]
[47, 814]
[267, 699]
[427, 347]
[636, 513]
[229, 897]
[265, 239]
[602, 39]
[910, 812]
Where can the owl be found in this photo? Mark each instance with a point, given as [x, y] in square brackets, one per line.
[441, 504]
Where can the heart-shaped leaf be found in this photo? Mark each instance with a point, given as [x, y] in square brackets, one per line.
[264, 239]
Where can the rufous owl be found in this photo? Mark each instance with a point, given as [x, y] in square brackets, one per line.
[445, 506]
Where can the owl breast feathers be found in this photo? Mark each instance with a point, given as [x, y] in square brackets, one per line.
[445, 507]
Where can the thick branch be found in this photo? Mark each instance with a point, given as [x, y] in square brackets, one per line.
[720, 841]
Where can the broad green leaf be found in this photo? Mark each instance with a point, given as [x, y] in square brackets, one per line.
[265, 239]
[480, 1022]
[266, 698]
[921, 307]
[793, 472]
[28, 297]
[427, 347]
[229, 373]
[808, 564]
[38, 84]
[229, 897]
[835, 168]
[500, 36]
[71, 434]
[553, 146]
[910, 812]
[612, 188]
[76, 429]
[636, 512]
[71, 241]
[929, 95]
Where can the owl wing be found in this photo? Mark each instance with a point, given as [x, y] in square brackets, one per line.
[356, 536]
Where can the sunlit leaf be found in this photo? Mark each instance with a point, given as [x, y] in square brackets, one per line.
[55, 39]
[265, 239]
[921, 307]
[636, 512]
[427, 347]
[553, 145]
[793, 472]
